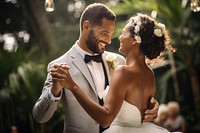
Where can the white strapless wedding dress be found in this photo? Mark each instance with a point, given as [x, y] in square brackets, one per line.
[128, 120]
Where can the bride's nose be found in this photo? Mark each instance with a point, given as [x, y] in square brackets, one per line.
[120, 37]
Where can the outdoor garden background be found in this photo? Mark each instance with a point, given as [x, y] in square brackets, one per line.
[31, 37]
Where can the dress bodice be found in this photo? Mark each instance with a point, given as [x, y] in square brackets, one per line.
[129, 115]
[128, 120]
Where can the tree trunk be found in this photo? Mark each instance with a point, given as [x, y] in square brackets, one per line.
[174, 76]
[33, 10]
[195, 87]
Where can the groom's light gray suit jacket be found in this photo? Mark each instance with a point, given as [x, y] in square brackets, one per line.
[76, 119]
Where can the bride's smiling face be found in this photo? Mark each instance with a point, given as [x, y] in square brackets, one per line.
[126, 41]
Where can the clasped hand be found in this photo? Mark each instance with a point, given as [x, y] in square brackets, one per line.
[60, 74]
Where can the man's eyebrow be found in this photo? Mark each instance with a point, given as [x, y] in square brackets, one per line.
[105, 31]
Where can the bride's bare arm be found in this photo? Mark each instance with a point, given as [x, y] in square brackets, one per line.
[105, 114]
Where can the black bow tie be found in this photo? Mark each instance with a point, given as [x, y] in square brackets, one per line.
[97, 58]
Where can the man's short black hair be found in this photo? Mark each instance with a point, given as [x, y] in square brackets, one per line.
[94, 13]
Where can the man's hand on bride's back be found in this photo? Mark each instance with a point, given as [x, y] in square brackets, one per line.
[151, 113]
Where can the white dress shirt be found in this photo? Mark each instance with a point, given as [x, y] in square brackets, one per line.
[96, 70]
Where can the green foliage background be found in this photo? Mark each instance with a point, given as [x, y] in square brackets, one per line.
[23, 72]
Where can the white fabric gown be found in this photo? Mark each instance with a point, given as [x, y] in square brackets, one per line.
[128, 120]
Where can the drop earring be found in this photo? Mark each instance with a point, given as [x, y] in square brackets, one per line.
[133, 42]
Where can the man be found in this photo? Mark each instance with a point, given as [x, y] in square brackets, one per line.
[93, 75]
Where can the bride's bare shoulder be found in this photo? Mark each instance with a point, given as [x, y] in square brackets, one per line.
[120, 69]
[123, 71]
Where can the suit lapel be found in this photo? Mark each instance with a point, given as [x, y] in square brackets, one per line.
[79, 62]
[106, 65]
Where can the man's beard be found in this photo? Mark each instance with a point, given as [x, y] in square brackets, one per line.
[92, 43]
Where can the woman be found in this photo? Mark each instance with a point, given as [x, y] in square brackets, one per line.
[175, 121]
[132, 84]
[162, 115]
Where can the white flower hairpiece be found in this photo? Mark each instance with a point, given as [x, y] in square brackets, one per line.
[137, 23]
[138, 39]
[112, 60]
[159, 28]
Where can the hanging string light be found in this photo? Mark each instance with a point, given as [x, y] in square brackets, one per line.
[195, 5]
[49, 5]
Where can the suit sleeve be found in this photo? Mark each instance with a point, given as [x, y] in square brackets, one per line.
[121, 59]
[45, 106]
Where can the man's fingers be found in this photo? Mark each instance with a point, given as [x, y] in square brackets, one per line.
[63, 69]
[150, 114]
[55, 74]
[148, 118]
[65, 66]
[56, 65]
[149, 111]
[154, 104]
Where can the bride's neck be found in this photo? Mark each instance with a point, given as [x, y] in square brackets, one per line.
[135, 58]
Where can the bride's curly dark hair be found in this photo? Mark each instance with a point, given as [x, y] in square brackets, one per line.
[151, 45]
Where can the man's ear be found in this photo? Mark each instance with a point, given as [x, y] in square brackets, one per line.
[86, 25]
